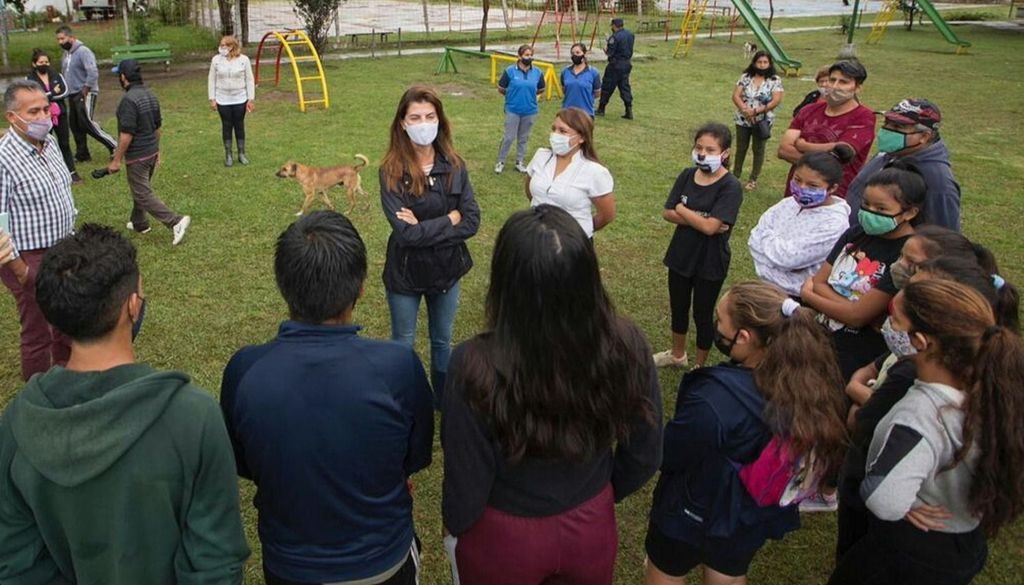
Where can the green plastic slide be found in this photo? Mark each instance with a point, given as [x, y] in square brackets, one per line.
[941, 24]
[765, 38]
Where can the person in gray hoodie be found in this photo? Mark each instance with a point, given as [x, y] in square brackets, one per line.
[911, 134]
[111, 471]
[83, 78]
[945, 468]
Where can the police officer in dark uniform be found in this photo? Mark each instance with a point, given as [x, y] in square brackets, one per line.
[620, 54]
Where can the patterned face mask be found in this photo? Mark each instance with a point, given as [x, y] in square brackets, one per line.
[897, 341]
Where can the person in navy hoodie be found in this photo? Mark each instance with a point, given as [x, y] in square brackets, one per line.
[783, 381]
[329, 425]
[520, 84]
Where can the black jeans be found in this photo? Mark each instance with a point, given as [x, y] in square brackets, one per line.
[232, 119]
[704, 293]
[899, 553]
[63, 133]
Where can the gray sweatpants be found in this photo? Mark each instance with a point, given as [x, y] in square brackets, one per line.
[516, 128]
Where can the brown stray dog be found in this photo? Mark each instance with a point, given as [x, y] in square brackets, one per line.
[317, 180]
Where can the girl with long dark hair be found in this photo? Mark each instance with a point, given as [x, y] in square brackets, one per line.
[781, 383]
[945, 468]
[428, 199]
[549, 418]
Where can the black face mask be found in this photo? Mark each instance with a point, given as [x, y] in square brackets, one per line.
[41, 68]
[577, 59]
[761, 71]
[724, 344]
[527, 61]
[66, 46]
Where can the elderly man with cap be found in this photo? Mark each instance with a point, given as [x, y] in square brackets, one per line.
[138, 145]
[911, 133]
[840, 121]
[620, 54]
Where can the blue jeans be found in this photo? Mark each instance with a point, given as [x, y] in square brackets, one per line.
[441, 309]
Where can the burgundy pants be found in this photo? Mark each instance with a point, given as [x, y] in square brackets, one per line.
[576, 547]
[42, 346]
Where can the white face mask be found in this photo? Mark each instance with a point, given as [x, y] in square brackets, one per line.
[560, 143]
[223, 51]
[709, 163]
[898, 341]
[422, 134]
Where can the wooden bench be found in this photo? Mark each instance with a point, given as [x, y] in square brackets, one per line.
[652, 25]
[154, 53]
[380, 36]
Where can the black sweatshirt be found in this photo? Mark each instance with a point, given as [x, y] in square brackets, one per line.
[476, 474]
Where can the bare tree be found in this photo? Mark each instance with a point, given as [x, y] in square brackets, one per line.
[227, 24]
[483, 25]
[243, 17]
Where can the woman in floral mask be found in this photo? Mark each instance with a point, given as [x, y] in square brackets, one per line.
[231, 89]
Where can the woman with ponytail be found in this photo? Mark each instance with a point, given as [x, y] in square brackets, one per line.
[781, 382]
[946, 465]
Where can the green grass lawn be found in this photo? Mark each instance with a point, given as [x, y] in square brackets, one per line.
[216, 292]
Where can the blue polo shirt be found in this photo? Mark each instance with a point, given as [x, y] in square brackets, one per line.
[521, 89]
[579, 89]
[329, 426]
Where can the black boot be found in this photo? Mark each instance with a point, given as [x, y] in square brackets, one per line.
[600, 108]
[437, 380]
[228, 161]
[629, 112]
[241, 153]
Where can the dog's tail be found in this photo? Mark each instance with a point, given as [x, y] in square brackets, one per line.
[363, 163]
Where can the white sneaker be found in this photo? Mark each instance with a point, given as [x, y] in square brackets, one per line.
[820, 502]
[665, 359]
[131, 226]
[498, 167]
[520, 166]
[179, 230]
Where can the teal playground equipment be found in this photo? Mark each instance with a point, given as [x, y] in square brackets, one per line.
[694, 16]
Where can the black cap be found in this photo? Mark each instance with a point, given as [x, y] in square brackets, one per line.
[851, 68]
[617, 22]
[130, 68]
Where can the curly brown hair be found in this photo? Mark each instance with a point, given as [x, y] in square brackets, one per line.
[799, 375]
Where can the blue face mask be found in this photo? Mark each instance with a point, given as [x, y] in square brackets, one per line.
[808, 196]
[137, 324]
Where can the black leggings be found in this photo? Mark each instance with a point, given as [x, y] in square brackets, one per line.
[704, 293]
[232, 118]
[897, 552]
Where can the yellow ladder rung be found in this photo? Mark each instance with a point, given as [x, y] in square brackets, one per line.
[314, 101]
[303, 58]
[313, 78]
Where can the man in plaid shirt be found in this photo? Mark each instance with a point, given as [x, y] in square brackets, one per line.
[35, 192]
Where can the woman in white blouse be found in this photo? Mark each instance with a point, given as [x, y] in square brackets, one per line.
[232, 89]
[570, 176]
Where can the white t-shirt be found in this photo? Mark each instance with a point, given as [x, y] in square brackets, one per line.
[572, 190]
[790, 243]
